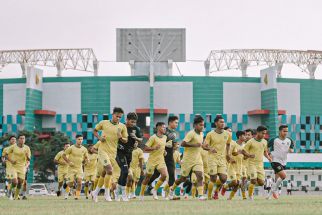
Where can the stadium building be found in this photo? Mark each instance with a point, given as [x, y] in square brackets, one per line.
[76, 104]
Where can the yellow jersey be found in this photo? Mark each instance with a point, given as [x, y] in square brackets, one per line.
[157, 156]
[76, 155]
[19, 154]
[219, 142]
[109, 132]
[176, 157]
[137, 154]
[59, 158]
[192, 154]
[90, 167]
[257, 148]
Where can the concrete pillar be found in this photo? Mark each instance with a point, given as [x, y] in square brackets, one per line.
[312, 68]
[207, 67]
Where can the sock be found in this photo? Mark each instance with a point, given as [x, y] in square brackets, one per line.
[17, 193]
[277, 184]
[232, 194]
[67, 189]
[174, 186]
[142, 189]
[86, 191]
[244, 194]
[158, 184]
[107, 181]
[193, 191]
[77, 194]
[251, 190]
[218, 185]
[205, 187]
[166, 189]
[200, 190]
[210, 188]
[226, 186]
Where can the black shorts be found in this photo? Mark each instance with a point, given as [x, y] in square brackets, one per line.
[277, 167]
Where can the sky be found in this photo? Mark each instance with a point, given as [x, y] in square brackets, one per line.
[210, 25]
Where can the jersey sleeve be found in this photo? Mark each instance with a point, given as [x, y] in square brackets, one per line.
[207, 140]
[124, 132]
[138, 132]
[68, 151]
[150, 142]
[229, 139]
[248, 146]
[99, 126]
[86, 154]
[10, 149]
[58, 156]
[188, 137]
[4, 152]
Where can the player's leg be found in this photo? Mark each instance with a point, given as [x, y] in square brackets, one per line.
[200, 188]
[185, 171]
[86, 186]
[60, 183]
[78, 186]
[280, 175]
[155, 175]
[253, 181]
[129, 182]
[222, 176]
[164, 175]
[232, 184]
[171, 178]
[124, 170]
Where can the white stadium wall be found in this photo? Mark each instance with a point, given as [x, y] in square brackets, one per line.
[14, 98]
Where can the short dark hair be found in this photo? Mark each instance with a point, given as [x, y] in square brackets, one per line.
[67, 143]
[118, 110]
[132, 116]
[249, 130]
[11, 136]
[198, 119]
[218, 117]
[239, 133]
[78, 135]
[172, 118]
[159, 124]
[89, 145]
[20, 135]
[226, 127]
[261, 128]
[282, 127]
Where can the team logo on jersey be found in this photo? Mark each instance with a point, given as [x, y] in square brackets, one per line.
[105, 161]
[231, 177]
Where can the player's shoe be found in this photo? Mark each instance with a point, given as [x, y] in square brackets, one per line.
[141, 198]
[275, 195]
[94, 196]
[58, 193]
[155, 194]
[251, 198]
[202, 198]
[107, 197]
[215, 197]
[11, 197]
[186, 196]
[24, 198]
[223, 191]
[66, 196]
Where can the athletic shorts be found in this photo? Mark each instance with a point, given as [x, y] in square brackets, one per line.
[256, 171]
[104, 159]
[62, 175]
[74, 174]
[217, 166]
[277, 167]
[151, 166]
[187, 167]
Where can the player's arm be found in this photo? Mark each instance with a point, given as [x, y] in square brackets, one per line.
[150, 146]
[141, 162]
[228, 157]
[28, 154]
[246, 149]
[266, 154]
[9, 151]
[97, 128]
[67, 152]
[122, 134]
[291, 149]
[56, 159]
[137, 137]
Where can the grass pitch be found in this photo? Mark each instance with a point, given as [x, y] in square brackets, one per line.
[302, 204]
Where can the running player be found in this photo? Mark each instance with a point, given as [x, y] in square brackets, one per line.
[135, 171]
[90, 169]
[257, 146]
[171, 141]
[112, 133]
[279, 147]
[75, 156]
[9, 175]
[236, 164]
[248, 135]
[217, 144]
[124, 152]
[62, 169]
[156, 147]
[19, 156]
[192, 160]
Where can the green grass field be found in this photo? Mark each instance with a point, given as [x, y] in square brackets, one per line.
[52, 205]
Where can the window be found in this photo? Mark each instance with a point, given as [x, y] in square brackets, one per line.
[305, 177]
